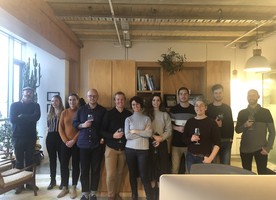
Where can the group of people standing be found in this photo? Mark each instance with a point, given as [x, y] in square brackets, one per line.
[142, 140]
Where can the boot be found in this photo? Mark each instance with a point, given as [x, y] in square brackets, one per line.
[63, 192]
[73, 192]
[52, 184]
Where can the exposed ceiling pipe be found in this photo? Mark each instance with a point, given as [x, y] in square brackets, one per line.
[260, 25]
[245, 34]
[114, 21]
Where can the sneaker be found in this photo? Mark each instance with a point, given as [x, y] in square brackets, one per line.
[19, 189]
[73, 192]
[31, 187]
[84, 197]
[63, 192]
[93, 197]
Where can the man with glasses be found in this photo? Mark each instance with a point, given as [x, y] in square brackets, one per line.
[88, 120]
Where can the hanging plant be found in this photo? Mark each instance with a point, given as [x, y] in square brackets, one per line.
[172, 62]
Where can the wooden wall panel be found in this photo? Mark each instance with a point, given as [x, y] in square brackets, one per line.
[123, 78]
[218, 72]
[100, 79]
[192, 77]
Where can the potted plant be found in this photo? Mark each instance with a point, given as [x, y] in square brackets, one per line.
[172, 61]
[6, 146]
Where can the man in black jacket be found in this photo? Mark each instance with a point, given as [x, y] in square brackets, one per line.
[23, 115]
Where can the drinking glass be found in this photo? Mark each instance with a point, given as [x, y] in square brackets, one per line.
[220, 116]
[120, 130]
[251, 118]
[90, 117]
[197, 132]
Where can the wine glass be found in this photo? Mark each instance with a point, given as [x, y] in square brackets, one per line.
[120, 130]
[251, 118]
[220, 116]
[197, 132]
[90, 117]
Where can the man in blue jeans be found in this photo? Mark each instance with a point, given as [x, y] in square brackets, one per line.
[23, 115]
[222, 114]
[258, 133]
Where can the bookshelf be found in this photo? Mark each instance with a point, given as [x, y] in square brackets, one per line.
[152, 74]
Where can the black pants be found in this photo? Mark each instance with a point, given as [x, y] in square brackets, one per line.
[91, 162]
[53, 145]
[261, 161]
[137, 161]
[24, 149]
[66, 154]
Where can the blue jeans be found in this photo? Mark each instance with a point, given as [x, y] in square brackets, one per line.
[224, 153]
[193, 159]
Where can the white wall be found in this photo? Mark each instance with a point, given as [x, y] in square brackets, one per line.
[54, 79]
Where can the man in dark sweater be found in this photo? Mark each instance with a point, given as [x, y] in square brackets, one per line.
[258, 133]
[222, 114]
[113, 132]
[23, 115]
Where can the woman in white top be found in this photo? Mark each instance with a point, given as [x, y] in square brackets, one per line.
[137, 132]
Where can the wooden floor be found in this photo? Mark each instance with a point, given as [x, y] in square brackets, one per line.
[43, 179]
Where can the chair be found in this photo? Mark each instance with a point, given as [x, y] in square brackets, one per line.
[213, 168]
[14, 178]
[6, 164]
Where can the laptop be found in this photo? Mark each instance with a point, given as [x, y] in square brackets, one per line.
[217, 187]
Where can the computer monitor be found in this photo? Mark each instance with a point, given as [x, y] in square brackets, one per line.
[217, 187]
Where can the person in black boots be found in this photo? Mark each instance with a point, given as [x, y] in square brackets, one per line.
[53, 140]
[158, 150]
[24, 115]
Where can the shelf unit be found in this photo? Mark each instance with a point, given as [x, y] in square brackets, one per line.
[155, 71]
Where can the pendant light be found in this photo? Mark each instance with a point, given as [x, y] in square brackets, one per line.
[257, 63]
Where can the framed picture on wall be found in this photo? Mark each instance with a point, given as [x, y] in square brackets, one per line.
[170, 100]
[51, 94]
[48, 107]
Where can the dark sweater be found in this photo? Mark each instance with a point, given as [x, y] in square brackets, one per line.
[23, 117]
[209, 135]
[112, 121]
[227, 129]
[89, 138]
[263, 133]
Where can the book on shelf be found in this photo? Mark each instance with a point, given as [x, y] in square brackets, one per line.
[143, 83]
[148, 82]
[139, 85]
[152, 83]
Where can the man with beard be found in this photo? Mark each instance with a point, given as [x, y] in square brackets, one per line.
[254, 122]
[23, 115]
[222, 114]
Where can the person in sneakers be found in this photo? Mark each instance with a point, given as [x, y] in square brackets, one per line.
[53, 140]
[113, 132]
[24, 115]
[69, 148]
[88, 120]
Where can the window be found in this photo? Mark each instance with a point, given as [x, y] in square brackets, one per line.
[10, 71]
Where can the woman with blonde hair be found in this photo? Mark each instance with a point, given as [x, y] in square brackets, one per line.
[53, 140]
